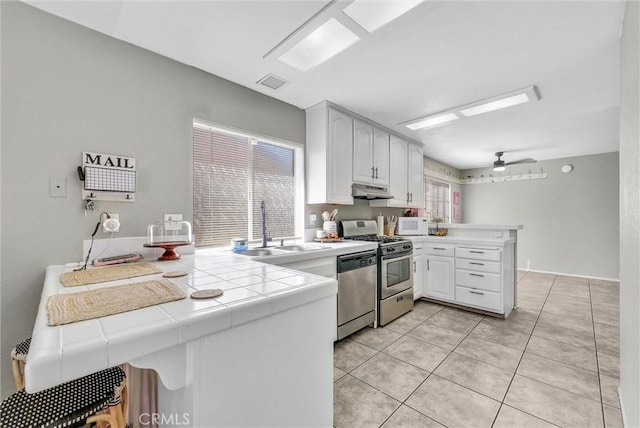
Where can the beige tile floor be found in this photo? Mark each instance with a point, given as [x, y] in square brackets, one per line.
[553, 362]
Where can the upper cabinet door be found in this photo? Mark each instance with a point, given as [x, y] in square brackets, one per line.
[363, 164]
[398, 180]
[415, 180]
[339, 160]
[381, 157]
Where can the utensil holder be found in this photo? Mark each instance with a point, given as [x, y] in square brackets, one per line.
[331, 228]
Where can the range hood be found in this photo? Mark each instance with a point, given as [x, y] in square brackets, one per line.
[360, 191]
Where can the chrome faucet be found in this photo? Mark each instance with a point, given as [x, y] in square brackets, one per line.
[263, 213]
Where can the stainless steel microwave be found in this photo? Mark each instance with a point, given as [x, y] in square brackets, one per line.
[413, 226]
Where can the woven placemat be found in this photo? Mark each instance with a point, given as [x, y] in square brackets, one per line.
[86, 305]
[109, 273]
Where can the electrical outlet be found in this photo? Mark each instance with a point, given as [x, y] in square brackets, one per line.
[112, 224]
[57, 187]
[312, 219]
[171, 221]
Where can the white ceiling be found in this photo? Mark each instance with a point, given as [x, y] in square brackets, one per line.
[441, 54]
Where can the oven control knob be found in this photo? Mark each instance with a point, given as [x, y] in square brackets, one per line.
[390, 250]
[370, 261]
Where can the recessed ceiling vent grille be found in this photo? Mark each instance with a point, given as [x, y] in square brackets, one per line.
[272, 81]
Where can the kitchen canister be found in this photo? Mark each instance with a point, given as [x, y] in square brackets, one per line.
[331, 227]
[239, 244]
[380, 222]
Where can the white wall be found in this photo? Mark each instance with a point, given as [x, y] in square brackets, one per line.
[67, 89]
[630, 217]
[570, 220]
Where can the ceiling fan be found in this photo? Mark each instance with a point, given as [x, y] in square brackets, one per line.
[499, 164]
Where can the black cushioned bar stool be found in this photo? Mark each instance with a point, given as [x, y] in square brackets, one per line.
[71, 404]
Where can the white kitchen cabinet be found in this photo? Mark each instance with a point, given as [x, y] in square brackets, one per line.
[370, 154]
[328, 159]
[418, 271]
[406, 175]
[478, 276]
[440, 277]
[415, 176]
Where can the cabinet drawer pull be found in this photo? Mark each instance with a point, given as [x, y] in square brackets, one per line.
[373, 175]
[414, 266]
[376, 172]
[476, 252]
[476, 292]
[476, 274]
[439, 248]
[476, 263]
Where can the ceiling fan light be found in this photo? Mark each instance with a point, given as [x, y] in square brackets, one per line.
[499, 168]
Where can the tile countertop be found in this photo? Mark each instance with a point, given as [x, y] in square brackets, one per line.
[481, 226]
[252, 290]
[461, 240]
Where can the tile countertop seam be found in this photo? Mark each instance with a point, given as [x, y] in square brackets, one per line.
[123, 339]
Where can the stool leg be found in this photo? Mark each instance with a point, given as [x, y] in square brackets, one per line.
[101, 418]
[125, 403]
[18, 373]
[116, 413]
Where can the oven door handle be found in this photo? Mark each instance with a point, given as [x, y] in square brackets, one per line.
[396, 256]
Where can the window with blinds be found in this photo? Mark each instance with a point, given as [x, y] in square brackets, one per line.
[232, 174]
[437, 200]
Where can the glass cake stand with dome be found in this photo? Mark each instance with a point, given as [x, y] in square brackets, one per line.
[169, 235]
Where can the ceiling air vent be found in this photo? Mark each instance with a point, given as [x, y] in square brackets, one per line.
[272, 81]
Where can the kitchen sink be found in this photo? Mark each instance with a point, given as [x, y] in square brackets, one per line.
[256, 252]
[299, 248]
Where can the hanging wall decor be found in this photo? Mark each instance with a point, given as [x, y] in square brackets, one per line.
[108, 177]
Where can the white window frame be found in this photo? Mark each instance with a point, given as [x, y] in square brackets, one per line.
[299, 155]
[427, 199]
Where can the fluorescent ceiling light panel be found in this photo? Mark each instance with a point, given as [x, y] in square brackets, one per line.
[328, 40]
[431, 121]
[497, 103]
[373, 14]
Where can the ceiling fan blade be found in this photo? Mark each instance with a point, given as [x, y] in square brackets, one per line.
[521, 161]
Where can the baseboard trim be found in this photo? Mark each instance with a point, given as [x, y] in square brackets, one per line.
[571, 274]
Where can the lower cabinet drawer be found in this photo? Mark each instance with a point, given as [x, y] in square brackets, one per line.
[485, 281]
[479, 265]
[440, 250]
[479, 254]
[479, 298]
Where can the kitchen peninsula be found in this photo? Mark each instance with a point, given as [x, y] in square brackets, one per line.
[472, 266]
[259, 355]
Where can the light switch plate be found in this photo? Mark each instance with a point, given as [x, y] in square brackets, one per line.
[57, 187]
[171, 221]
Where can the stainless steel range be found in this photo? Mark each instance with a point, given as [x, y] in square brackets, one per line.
[395, 273]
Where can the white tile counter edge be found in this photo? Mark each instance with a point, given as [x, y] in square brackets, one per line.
[63, 353]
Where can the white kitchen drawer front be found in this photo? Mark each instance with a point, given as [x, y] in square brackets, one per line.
[479, 254]
[439, 250]
[486, 281]
[479, 298]
[478, 265]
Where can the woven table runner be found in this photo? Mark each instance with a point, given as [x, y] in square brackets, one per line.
[109, 273]
[85, 305]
